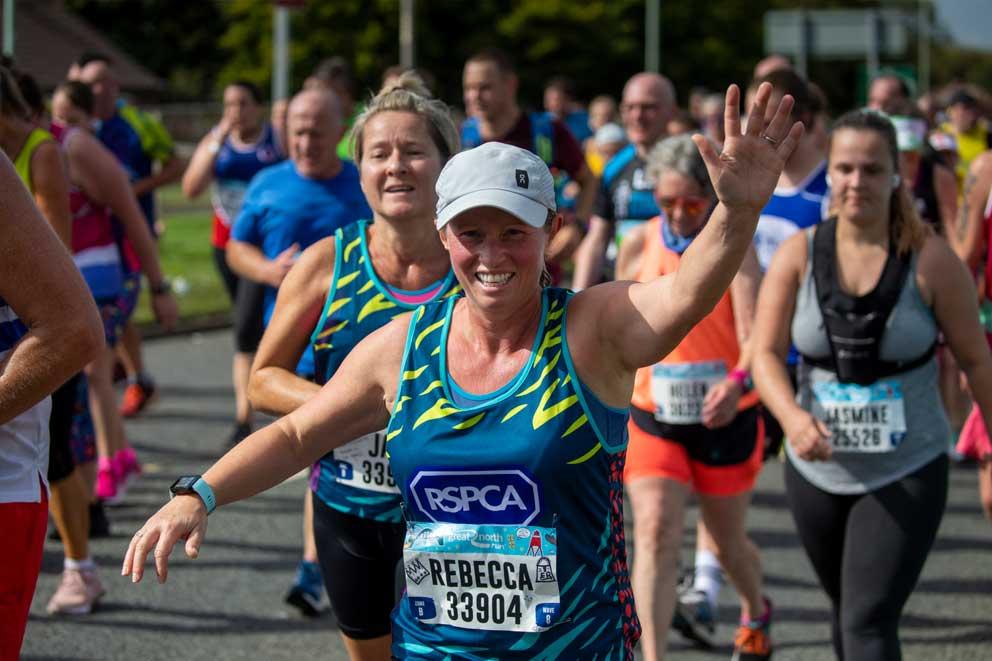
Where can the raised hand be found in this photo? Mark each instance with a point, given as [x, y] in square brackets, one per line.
[745, 173]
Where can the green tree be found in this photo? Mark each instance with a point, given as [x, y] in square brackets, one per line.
[175, 41]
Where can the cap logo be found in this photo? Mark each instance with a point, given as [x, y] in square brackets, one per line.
[523, 181]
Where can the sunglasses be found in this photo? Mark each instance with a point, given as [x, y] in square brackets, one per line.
[690, 204]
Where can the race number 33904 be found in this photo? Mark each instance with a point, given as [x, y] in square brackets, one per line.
[363, 464]
[500, 578]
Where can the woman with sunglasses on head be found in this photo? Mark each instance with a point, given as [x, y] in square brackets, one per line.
[863, 298]
[694, 424]
[505, 412]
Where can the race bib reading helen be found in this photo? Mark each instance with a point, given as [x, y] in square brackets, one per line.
[861, 418]
[491, 577]
[363, 464]
[679, 390]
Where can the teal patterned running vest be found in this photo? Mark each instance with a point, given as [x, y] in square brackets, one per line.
[355, 479]
[514, 506]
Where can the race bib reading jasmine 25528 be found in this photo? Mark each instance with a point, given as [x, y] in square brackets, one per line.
[500, 578]
[861, 418]
[363, 464]
[679, 390]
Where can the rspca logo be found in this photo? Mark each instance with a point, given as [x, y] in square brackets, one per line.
[499, 496]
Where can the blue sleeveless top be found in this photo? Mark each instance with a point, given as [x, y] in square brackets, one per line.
[514, 506]
[355, 479]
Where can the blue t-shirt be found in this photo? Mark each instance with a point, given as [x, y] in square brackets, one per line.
[137, 140]
[281, 208]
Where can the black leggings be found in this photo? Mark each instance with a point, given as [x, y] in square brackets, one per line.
[358, 560]
[248, 300]
[868, 551]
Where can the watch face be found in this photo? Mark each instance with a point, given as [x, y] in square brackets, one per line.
[184, 483]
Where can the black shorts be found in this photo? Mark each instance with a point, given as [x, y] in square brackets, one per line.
[248, 298]
[60, 462]
[358, 560]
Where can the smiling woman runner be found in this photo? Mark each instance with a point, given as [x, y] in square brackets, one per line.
[505, 412]
[866, 475]
[377, 271]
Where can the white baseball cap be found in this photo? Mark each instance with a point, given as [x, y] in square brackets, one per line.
[496, 175]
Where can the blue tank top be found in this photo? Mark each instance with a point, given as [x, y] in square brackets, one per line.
[514, 507]
[355, 479]
[235, 167]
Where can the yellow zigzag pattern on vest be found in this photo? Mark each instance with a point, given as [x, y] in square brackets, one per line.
[542, 415]
[376, 304]
[351, 246]
[442, 409]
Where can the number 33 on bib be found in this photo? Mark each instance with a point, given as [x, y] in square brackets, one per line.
[499, 578]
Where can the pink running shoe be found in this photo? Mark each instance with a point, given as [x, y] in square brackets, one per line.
[126, 466]
[106, 484]
[77, 593]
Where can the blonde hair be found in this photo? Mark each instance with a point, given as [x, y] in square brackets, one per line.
[408, 93]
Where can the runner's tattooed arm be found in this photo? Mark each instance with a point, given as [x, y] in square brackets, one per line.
[967, 238]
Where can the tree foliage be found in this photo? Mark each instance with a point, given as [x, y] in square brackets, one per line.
[200, 46]
[177, 41]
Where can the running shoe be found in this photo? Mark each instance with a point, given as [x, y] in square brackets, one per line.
[106, 485]
[99, 523]
[136, 398]
[753, 641]
[126, 466]
[307, 590]
[78, 592]
[694, 617]
[241, 431]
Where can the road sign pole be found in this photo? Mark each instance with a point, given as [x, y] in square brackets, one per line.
[280, 53]
[652, 35]
[407, 42]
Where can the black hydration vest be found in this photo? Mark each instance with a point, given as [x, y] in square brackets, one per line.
[855, 325]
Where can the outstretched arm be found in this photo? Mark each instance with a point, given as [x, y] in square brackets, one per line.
[357, 401]
[639, 323]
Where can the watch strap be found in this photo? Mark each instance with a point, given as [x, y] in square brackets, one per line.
[206, 494]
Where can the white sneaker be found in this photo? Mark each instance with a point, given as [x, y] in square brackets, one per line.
[77, 593]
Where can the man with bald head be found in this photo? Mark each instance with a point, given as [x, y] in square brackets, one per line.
[296, 203]
[626, 195]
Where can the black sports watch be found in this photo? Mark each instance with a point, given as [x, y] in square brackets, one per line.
[194, 485]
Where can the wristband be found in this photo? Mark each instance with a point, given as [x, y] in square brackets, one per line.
[742, 378]
[161, 288]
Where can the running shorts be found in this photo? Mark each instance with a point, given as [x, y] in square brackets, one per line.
[60, 461]
[358, 560]
[714, 462]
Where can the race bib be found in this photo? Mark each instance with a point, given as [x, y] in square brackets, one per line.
[861, 418]
[363, 464]
[228, 197]
[491, 577]
[679, 390]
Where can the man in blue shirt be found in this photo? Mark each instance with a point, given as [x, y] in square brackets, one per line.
[287, 208]
[290, 206]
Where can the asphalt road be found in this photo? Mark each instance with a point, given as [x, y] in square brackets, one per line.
[228, 603]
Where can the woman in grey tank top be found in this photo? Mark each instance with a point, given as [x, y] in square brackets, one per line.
[863, 297]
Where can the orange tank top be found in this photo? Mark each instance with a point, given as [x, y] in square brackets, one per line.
[674, 388]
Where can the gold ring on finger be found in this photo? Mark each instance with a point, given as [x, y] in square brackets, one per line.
[770, 139]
